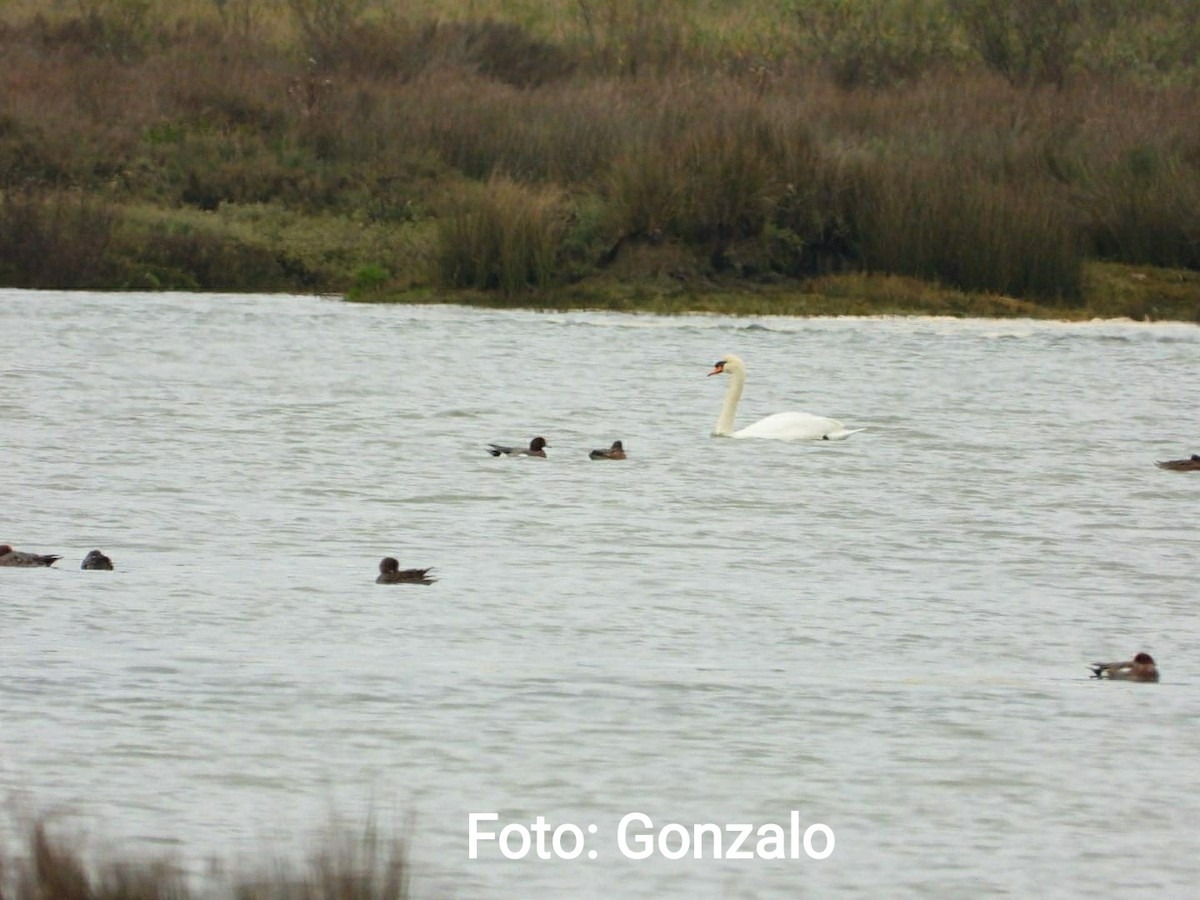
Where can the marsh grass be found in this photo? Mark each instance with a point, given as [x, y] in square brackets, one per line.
[366, 866]
[502, 147]
[1142, 293]
[504, 236]
[1147, 210]
[57, 239]
[971, 232]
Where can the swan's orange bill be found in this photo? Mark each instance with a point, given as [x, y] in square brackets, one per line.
[717, 369]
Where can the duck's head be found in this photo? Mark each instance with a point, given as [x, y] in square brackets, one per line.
[388, 564]
[5, 549]
[1144, 659]
[617, 445]
[538, 443]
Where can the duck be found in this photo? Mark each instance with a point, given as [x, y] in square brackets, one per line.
[537, 447]
[11, 557]
[784, 426]
[391, 573]
[616, 451]
[1140, 668]
[1181, 465]
[97, 561]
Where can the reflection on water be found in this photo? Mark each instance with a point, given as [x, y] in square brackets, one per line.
[888, 635]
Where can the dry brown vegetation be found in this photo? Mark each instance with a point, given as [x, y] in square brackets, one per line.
[604, 150]
[53, 867]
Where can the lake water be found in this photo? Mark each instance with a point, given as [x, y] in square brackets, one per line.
[888, 635]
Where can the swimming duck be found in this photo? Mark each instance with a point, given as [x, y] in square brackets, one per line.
[98, 561]
[1140, 668]
[536, 448]
[11, 557]
[1181, 465]
[391, 573]
[616, 451]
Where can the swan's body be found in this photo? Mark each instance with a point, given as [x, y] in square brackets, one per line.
[784, 426]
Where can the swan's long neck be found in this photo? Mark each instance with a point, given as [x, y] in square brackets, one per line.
[733, 393]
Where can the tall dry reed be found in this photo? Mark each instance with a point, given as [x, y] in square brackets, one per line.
[503, 236]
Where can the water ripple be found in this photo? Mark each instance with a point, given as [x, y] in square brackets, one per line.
[888, 634]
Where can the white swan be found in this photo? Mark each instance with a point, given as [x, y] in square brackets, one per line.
[784, 426]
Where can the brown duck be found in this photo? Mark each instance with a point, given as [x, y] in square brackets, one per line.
[1181, 465]
[1140, 668]
[97, 561]
[391, 573]
[11, 557]
[616, 451]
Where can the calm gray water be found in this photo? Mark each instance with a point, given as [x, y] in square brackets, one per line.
[888, 635]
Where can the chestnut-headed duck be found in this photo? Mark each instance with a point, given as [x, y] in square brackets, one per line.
[616, 451]
[391, 573]
[97, 561]
[537, 447]
[1140, 668]
[1181, 465]
[11, 557]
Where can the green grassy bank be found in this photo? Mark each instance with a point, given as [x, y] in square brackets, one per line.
[955, 157]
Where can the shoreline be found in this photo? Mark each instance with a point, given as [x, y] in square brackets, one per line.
[790, 302]
[1133, 293]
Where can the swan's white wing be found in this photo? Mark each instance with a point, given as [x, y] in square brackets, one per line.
[797, 426]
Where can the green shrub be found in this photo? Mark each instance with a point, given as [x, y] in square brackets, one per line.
[867, 43]
[370, 279]
[186, 258]
[1026, 41]
[123, 29]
